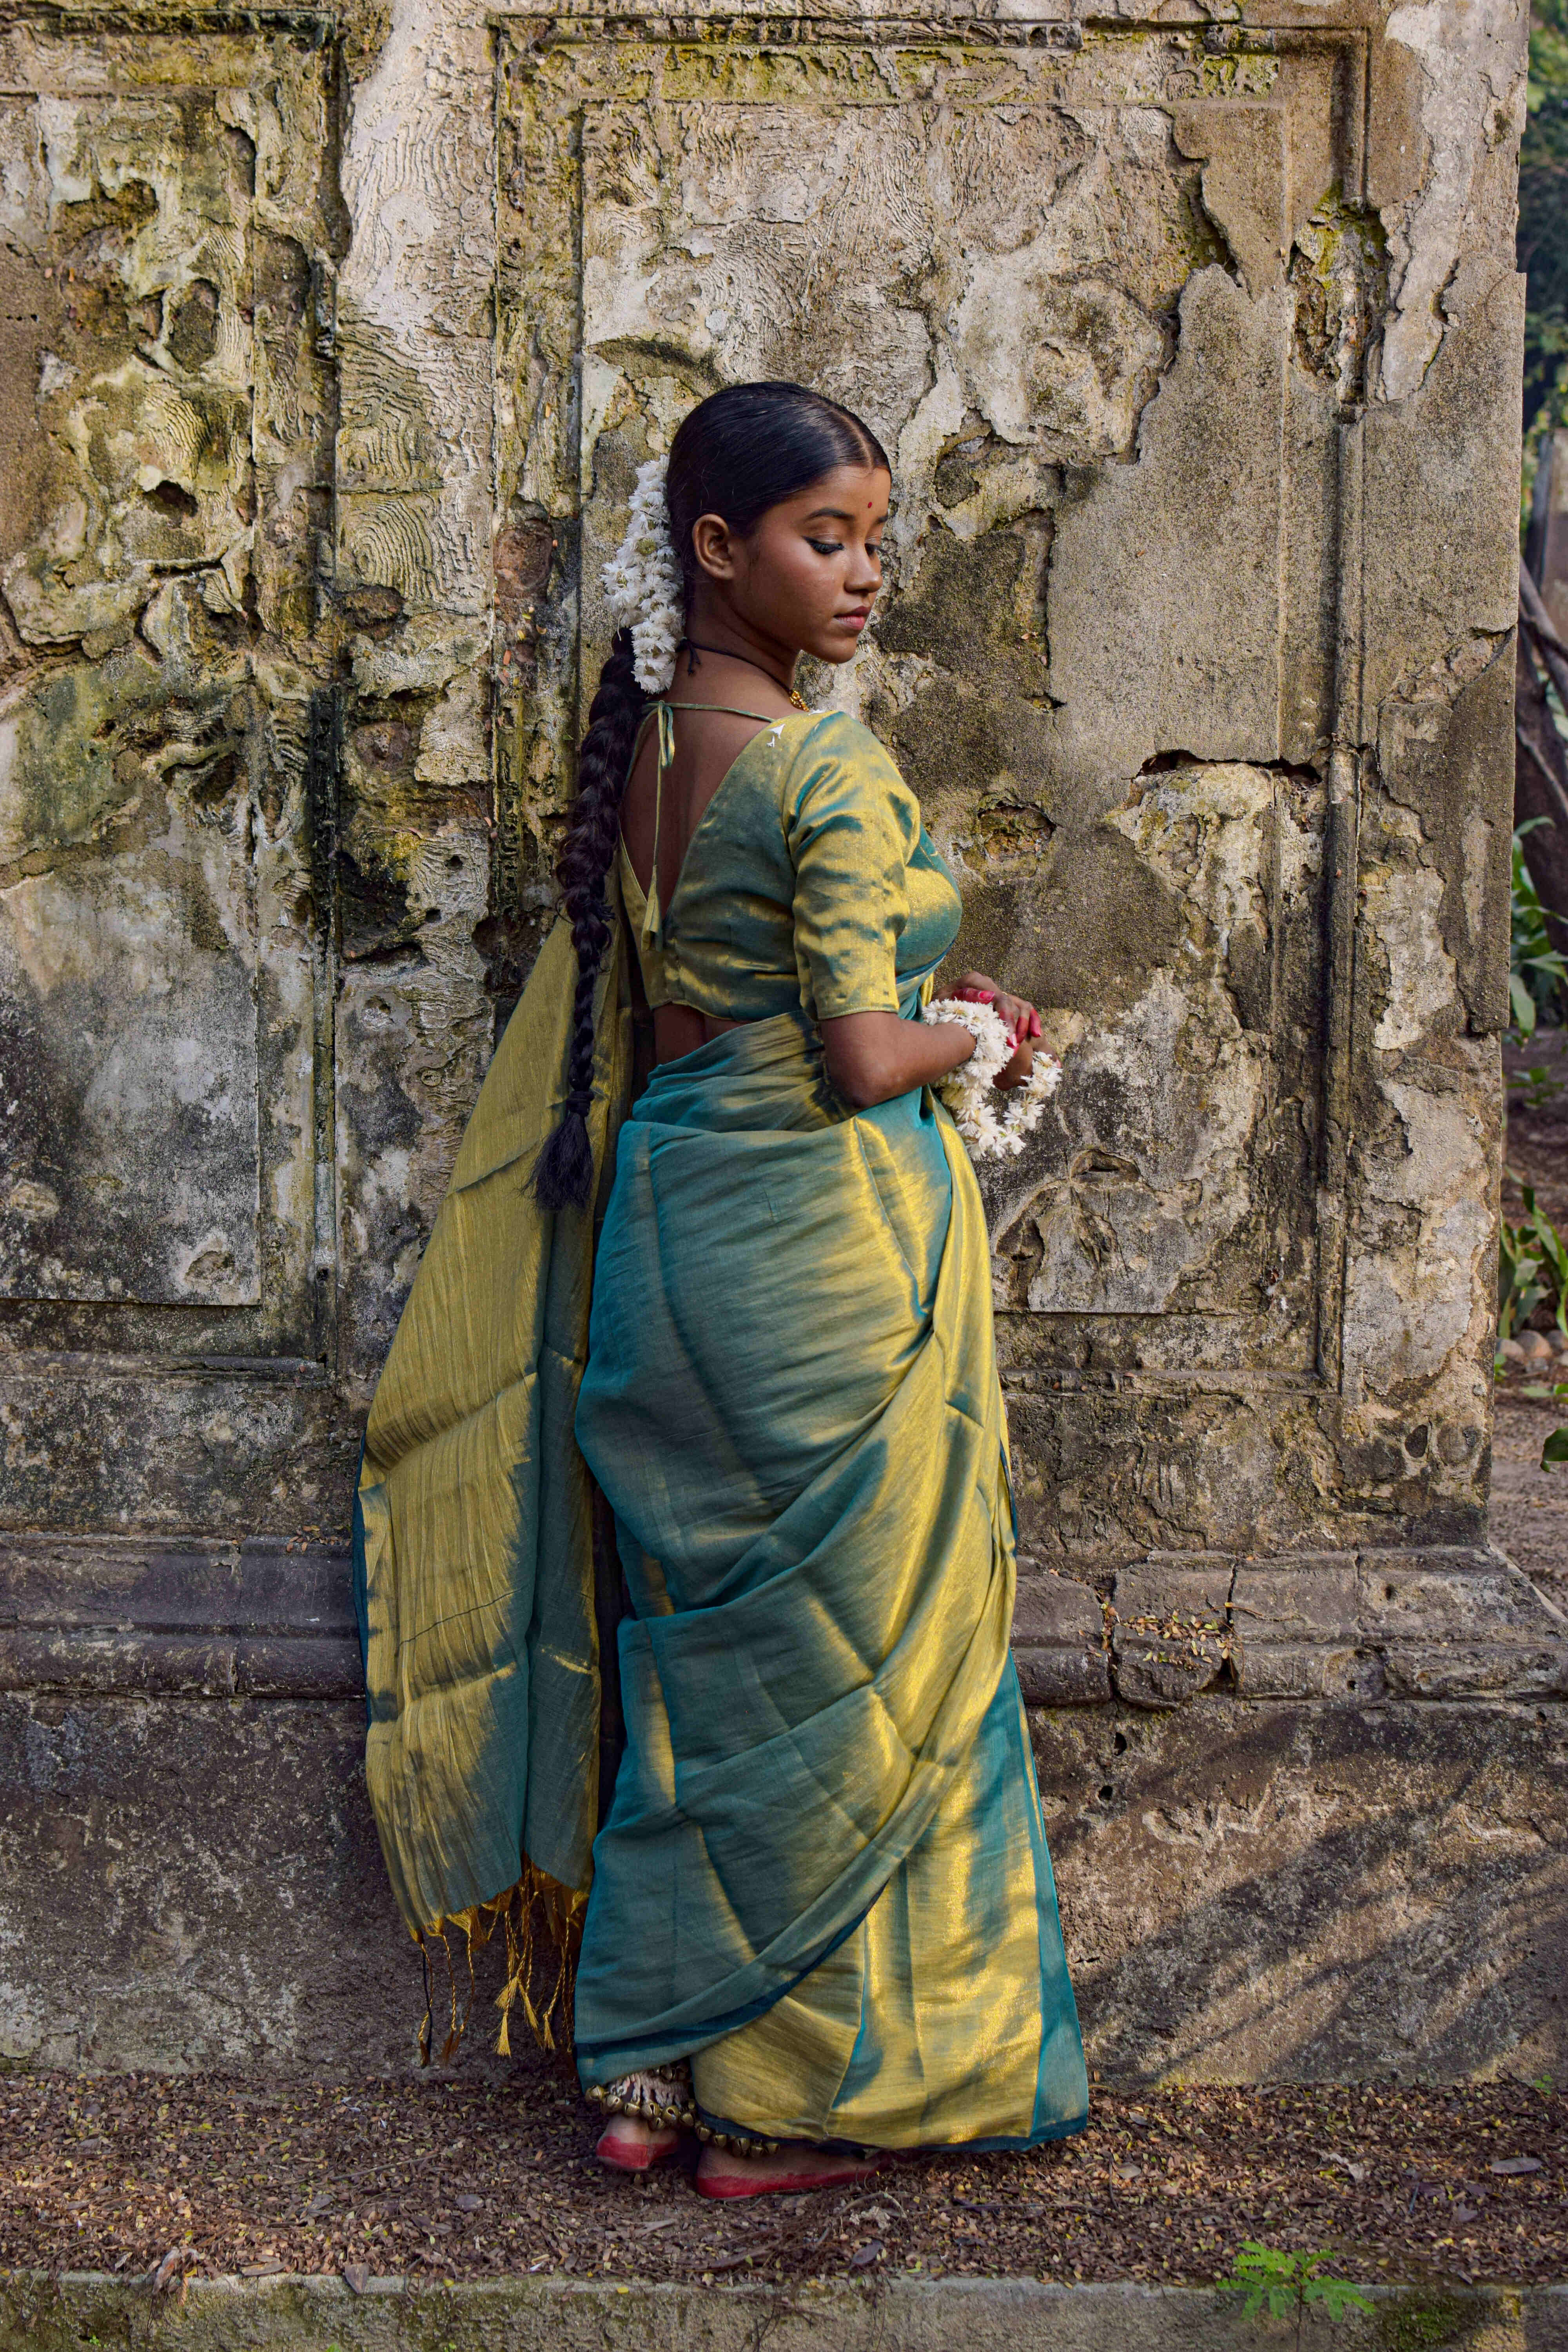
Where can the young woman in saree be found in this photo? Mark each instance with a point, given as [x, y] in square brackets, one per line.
[743, 1295]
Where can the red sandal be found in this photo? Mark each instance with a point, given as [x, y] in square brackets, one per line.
[789, 2184]
[624, 2155]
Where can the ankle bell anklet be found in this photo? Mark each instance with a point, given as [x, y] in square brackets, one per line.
[657, 2095]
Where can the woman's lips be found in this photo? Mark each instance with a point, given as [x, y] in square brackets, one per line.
[852, 620]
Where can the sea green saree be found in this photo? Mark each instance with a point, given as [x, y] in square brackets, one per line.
[823, 1877]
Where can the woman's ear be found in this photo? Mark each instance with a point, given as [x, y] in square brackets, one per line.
[714, 546]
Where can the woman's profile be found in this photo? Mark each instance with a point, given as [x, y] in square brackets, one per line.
[703, 1341]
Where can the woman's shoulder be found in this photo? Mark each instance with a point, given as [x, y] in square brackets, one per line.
[824, 745]
[835, 731]
[835, 775]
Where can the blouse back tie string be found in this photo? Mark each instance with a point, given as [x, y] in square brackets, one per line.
[663, 713]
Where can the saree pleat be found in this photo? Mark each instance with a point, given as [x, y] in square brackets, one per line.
[792, 1405]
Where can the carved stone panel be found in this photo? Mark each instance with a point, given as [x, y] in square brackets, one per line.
[167, 768]
[1060, 280]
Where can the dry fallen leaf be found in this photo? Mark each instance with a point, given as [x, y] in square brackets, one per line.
[356, 2277]
[1515, 2164]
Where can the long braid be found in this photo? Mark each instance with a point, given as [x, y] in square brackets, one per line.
[565, 1166]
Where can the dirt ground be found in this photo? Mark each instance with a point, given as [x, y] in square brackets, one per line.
[443, 2178]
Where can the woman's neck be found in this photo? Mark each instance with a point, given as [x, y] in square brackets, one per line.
[694, 658]
[717, 636]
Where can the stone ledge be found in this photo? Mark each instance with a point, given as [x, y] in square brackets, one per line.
[263, 1618]
[51, 2313]
[105, 1662]
[1438, 1622]
[266, 1618]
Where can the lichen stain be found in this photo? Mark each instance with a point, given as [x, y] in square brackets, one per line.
[1340, 271]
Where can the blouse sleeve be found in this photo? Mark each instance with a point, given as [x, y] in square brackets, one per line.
[852, 825]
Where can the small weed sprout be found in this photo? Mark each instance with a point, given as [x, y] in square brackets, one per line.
[1289, 2286]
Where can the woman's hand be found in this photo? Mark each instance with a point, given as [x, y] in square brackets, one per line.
[1023, 1024]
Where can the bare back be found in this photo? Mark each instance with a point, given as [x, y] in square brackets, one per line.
[708, 742]
[707, 745]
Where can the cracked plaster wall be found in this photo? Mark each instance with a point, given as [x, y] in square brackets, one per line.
[332, 353]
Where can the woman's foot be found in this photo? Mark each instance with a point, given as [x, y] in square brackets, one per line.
[786, 2170]
[628, 2144]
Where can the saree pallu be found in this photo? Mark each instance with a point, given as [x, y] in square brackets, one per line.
[824, 1875]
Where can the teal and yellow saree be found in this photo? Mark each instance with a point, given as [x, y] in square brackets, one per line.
[823, 1876]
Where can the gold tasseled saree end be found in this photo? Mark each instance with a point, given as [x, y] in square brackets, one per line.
[543, 1924]
[474, 1542]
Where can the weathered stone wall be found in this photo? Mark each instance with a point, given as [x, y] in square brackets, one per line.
[331, 348]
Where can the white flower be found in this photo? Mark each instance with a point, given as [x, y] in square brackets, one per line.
[993, 1125]
[642, 582]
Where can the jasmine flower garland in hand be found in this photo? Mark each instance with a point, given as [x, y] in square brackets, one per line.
[992, 1124]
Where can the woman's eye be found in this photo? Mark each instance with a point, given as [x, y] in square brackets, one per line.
[825, 546]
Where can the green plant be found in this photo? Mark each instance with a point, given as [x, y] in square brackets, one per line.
[1532, 1268]
[1536, 972]
[1289, 2286]
[1536, 1086]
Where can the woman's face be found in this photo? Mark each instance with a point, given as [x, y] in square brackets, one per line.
[807, 577]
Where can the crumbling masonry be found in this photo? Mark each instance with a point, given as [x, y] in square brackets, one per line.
[331, 348]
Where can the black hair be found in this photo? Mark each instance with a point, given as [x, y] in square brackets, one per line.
[737, 453]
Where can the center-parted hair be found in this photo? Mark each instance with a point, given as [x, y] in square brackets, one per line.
[737, 453]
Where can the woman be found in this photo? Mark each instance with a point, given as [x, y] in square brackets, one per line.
[819, 1912]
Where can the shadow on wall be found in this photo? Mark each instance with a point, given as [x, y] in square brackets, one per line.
[1305, 1893]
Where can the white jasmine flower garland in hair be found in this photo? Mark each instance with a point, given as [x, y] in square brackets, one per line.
[642, 582]
[993, 1125]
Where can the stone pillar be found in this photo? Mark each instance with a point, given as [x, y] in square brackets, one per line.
[1197, 346]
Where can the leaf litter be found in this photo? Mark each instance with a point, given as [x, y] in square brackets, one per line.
[172, 2178]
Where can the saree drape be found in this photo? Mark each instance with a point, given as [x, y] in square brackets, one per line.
[823, 1876]
[474, 1569]
[826, 1800]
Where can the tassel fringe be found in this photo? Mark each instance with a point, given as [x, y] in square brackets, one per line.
[543, 1923]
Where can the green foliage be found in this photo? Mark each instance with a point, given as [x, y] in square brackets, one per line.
[1535, 1088]
[1536, 972]
[1289, 2286]
[1532, 1268]
[1543, 222]
[1556, 1450]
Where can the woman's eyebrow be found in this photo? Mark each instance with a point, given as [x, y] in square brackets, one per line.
[829, 514]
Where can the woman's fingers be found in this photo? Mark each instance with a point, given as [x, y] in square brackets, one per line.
[1020, 1016]
[1021, 1067]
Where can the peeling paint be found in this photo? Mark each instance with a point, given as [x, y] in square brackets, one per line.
[1471, 100]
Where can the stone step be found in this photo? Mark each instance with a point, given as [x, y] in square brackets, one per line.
[559, 2314]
